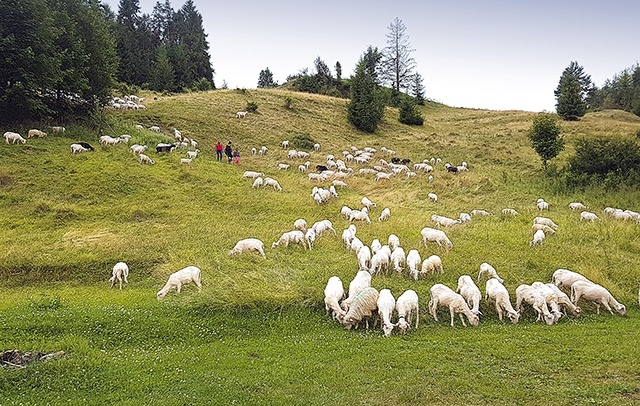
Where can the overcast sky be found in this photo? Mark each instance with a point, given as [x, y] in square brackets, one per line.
[495, 54]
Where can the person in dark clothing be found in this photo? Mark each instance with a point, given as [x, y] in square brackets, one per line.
[236, 156]
[228, 151]
[219, 151]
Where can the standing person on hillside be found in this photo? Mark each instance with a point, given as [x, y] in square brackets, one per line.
[219, 151]
[236, 156]
[228, 152]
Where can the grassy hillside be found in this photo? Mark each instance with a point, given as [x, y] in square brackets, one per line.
[257, 332]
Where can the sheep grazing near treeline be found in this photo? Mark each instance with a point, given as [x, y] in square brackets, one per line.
[485, 268]
[597, 294]
[565, 278]
[364, 305]
[248, 245]
[13, 137]
[446, 297]
[36, 133]
[290, 237]
[190, 274]
[77, 148]
[386, 305]
[437, 236]
[542, 205]
[470, 292]
[406, 305]
[120, 272]
[496, 291]
[530, 295]
[333, 294]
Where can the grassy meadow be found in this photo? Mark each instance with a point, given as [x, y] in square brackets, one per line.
[257, 333]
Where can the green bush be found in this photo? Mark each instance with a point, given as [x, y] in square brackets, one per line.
[302, 141]
[287, 102]
[410, 114]
[201, 85]
[251, 107]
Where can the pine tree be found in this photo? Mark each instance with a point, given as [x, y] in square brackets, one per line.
[195, 49]
[371, 59]
[409, 112]
[365, 110]
[266, 79]
[338, 71]
[163, 75]
[126, 41]
[572, 92]
[417, 89]
[397, 63]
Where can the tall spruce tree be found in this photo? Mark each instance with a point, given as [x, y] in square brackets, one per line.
[195, 49]
[372, 59]
[572, 92]
[127, 41]
[397, 63]
[365, 110]
[265, 79]
[417, 89]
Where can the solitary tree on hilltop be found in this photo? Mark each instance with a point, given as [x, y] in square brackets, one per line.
[545, 137]
[573, 92]
[266, 79]
[397, 63]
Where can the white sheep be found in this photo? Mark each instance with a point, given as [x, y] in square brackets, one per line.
[333, 294]
[430, 179]
[333, 191]
[385, 214]
[145, 159]
[362, 308]
[470, 292]
[431, 265]
[58, 129]
[241, 114]
[577, 206]
[155, 128]
[285, 144]
[386, 305]
[510, 212]
[300, 224]
[323, 225]
[295, 237]
[364, 258]
[485, 268]
[551, 297]
[382, 175]
[77, 148]
[190, 274]
[192, 154]
[398, 259]
[316, 147]
[413, 263]
[433, 197]
[302, 168]
[361, 281]
[530, 295]
[348, 236]
[272, 182]
[186, 161]
[563, 301]
[13, 137]
[248, 245]
[120, 272]
[464, 218]
[406, 305]
[283, 167]
[445, 296]
[367, 203]
[495, 290]
[565, 278]
[393, 241]
[356, 245]
[442, 221]
[379, 262]
[360, 215]
[36, 133]
[547, 230]
[339, 183]
[437, 236]
[546, 221]
[538, 238]
[588, 216]
[542, 205]
[257, 183]
[480, 212]
[310, 237]
[138, 149]
[252, 174]
[597, 294]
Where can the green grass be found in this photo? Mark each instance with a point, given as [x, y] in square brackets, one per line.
[257, 333]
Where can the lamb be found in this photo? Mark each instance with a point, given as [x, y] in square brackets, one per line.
[547, 230]
[138, 149]
[470, 292]
[182, 277]
[538, 238]
[443, 295]
[248, 245]
[489, 270]
[565, 278]
[108, 140]
[310, 237]
[496, 291]
[192, 154]
[367, 203]
[360, 215]
[398, 259]
[186, 161]
[362, 307]
[13, 137]
[563, 300]
[272, 182]
[284, 167]
[464, 218]
[241, 114]
[588, 216]
[120, 272]
[546, 221]
[551, 297]
[300, 224]
[597, 294]
[321, 226]
[144, 159]
[285, 144]
[406, 304]
[510, 212]
[413, 262]
[295, 236]
[333, 294]
[442, 221]
[437, 236]
[577, 206]
[479, 212]
[527, 293]
[36, 133]
[393, 242]
[364, 258]
[433, 197]
[542, 205]
[252, 174]
[361, 281]
[257, 183]
[432, 265]
[386, 305]
[77, 148]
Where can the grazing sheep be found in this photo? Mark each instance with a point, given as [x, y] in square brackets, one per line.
[241, 114]
[272, 182]
[295, 237]
[433, 197]
[470, 292]
[257, 183]
[386, 305]
[577, 206]
[252, 174]
[565, 278]
[310, 237]
[13, 137]
[379, 262]
[58, 129]
[563, 301]
[248, 245]
[496, 291]
[442, 221]
[300, 224]
[302, 168]
[284, 167]
[367, 203]
[182, 277]
[323, 225]
[356, 245]
[120, 272]
[538, 238]
[361, 281]
[464, 218]
[551, 297]
[398, 259]
[339, 183]
[406, 305]
[316, 147]
[490, 271]
[285, 144]
[445, 296]
[510, 212]
[542, 205]
[138, 149]
[597, 294]
[479, 212]
[347, 236]
[437, 236]
[432, 265]
[360, 215]
[547, 230]
[362, 308]
[413, 262]
[393, 241]
[333, 294]
[36, 133]
[186, 161]
[144, 159]
[587, 216]
[376, 245]
[530, 295]
[77, 148]
[155, 128]
[192, 154]
[546, 221]
[382, 175]
[385, 214]
[430, 178]
[364, 258]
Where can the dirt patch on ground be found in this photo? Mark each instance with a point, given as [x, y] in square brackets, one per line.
[20, 359]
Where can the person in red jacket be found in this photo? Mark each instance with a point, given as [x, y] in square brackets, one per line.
[219, 151]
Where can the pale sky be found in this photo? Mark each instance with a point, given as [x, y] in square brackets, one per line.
[494, 54]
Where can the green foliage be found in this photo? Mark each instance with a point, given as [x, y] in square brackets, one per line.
[545, 137]
[609, 160]
[621, 92]
[409, 113]
[288, 102]
[302, 141]
[251, 107]
[202, 85]
[572, 92]
[265, 80]
[365, 110]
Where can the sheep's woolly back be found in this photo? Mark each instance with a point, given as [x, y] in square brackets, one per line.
[363, 305]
